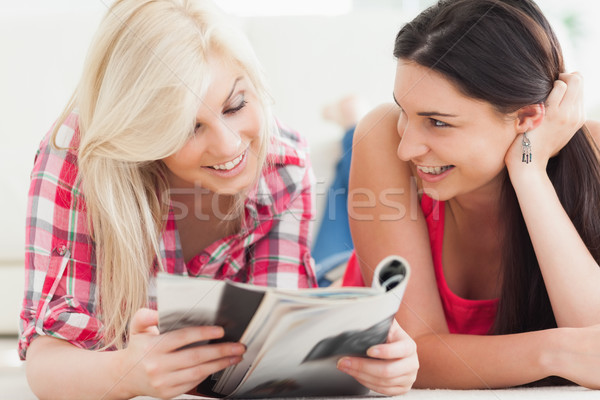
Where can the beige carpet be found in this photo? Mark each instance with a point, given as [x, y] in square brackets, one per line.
[13, 386]
[546, 393]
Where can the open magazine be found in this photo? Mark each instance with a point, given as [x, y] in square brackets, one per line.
[294, 338]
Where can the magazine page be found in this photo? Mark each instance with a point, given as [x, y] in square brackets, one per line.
[391, 274]
[293, 338]
[184, 302]
[300, 355]
[254, 339]
[236, 309]
[279, 303]
[314, 293]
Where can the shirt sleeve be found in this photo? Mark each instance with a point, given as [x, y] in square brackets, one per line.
[59, 299]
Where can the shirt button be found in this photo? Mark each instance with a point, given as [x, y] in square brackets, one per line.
[61, 250]
[204, 258]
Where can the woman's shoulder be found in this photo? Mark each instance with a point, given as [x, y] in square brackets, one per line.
[287, 172]
[376, 139]
[375, 162]
[56, 156]
[383, 118]
[287, 147]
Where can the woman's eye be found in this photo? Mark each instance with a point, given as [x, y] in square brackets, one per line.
[438, 124]
[237, 108]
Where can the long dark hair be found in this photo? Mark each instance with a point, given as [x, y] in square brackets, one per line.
[505, 53]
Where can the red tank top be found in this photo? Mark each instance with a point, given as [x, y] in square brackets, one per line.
[474, 317]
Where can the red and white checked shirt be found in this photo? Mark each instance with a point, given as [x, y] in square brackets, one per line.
[60, 277]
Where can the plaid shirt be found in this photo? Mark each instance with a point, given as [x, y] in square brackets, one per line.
[60, 283]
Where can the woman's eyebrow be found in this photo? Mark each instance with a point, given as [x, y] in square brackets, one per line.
[427, 113]
[435, 114]
[232, 89]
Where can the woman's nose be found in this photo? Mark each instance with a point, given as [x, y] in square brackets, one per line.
[225, 140]
[411, 144]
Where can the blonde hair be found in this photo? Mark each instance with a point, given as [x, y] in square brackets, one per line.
[142, 84]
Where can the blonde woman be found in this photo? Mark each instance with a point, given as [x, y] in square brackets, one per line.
[166, 159]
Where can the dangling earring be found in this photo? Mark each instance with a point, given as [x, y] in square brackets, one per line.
[526, 149]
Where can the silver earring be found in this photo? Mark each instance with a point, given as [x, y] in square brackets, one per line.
[526, 149]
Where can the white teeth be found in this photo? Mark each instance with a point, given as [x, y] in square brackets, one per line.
[229, 164]
[434, 170]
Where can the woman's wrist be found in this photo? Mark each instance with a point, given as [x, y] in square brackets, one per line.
[528, 176]
[551, 358]
[120, 375]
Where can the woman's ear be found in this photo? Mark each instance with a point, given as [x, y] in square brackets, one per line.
[529, 117]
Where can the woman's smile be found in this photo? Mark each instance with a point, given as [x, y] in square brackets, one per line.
[230, 168]
[434, 174]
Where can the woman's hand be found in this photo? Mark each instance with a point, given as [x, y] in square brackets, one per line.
[564, 115]
[392, 368]
[154, 366]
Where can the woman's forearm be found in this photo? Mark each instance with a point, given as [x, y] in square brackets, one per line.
[571, 274]
[58, 370]
[482, 362]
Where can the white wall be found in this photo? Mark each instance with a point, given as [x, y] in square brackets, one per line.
[579, 44]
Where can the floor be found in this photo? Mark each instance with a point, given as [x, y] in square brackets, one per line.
[13, 385]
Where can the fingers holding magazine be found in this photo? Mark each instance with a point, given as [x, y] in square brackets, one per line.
[169, 364]
[392, 367]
